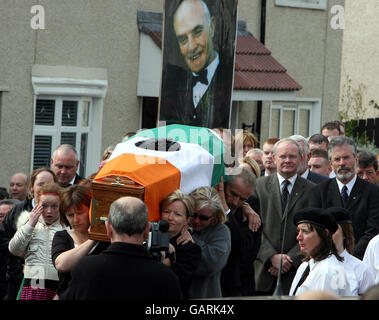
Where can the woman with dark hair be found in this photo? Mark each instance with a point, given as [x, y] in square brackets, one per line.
[177, 209]
[322, 268]
[359, 274]
[69, 246]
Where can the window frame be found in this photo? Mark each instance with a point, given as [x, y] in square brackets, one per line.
[321, 5]
[294, 106]
[56, 130]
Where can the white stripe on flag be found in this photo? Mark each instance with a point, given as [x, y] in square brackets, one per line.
[194, 162]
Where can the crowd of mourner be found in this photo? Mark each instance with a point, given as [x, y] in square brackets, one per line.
[297, 217]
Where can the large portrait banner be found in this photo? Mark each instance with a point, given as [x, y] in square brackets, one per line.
[199, 40]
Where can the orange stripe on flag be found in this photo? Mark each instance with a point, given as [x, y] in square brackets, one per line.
[157, 175]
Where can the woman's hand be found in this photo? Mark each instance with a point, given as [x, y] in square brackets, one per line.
[185, 236]
[35, 214]
[221, 193]
[166, 260]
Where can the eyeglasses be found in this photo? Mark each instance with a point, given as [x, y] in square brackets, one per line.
[200, 216]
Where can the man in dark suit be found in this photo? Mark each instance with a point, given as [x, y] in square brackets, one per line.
[280, 196]
[65, 164]
[349, 191]
[201, 94]
[124, 270]
[237, 277]
[303, 169]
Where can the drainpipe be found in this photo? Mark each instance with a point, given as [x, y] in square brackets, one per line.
[262, 39]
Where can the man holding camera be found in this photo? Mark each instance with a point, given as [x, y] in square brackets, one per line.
[124, 270]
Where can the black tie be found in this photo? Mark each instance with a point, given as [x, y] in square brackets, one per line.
[202, 77]
[302, 279]
[285, 194]
[344, 195]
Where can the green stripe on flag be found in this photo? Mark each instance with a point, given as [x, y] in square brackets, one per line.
[197, 135]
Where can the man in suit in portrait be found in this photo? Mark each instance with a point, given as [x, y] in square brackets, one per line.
[303, 169]
[347, 190]
[280, 196]
[199, 95]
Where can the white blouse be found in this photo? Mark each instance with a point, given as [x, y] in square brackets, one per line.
[371, 256]
[328, 274]
[360, 275]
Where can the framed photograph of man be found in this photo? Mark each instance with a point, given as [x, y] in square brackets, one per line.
[198, 62]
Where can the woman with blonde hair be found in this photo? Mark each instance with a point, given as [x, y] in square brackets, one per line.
[184, 254]
[213, 237]
[244, 141]
[251, 165]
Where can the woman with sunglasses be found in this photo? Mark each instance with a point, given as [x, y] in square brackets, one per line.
[213, 237]
[184, 254]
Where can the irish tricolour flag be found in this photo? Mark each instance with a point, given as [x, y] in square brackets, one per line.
[167, 158]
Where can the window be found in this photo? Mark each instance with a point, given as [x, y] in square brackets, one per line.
[307, 4]
[68, 108]
[61, 120]
[288, 119]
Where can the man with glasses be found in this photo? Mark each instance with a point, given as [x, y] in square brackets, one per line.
[65, 163]
[280, 196]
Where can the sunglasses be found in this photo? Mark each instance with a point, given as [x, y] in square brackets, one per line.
[200, 216]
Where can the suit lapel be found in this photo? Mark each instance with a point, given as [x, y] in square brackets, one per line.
[355, 194]
[273, 189]
[296, 193]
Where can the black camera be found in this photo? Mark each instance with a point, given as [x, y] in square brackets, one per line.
[158, 239]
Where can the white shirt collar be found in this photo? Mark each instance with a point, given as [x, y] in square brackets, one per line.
[349, 185]
[200, 88]
[211, 69]
[305, 174]
[292, 180]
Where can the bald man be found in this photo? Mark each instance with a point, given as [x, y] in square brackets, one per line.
[18, 186]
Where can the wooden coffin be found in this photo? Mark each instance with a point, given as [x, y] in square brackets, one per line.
[105, 192]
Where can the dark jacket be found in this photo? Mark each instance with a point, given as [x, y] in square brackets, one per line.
[267, 194]
[123, 271]
[237, 278]
[316, 177]
[363, 205]
[187, 257]
[7, 230]
[176, 105]
[63, 242]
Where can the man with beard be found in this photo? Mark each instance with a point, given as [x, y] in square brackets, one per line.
[349, 191]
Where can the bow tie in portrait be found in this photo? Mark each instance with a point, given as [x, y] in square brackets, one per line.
[202, 77]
